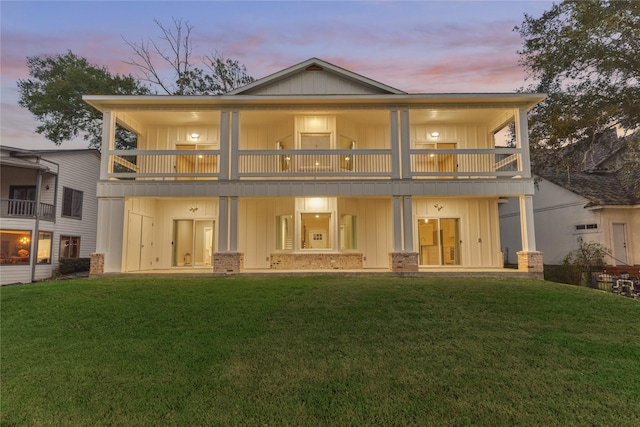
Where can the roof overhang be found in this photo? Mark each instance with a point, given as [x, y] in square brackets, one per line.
[450, 101]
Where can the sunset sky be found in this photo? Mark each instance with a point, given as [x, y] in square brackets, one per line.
[416, 46]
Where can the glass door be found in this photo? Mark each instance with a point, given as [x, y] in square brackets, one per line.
[439, 241]
[193, 243]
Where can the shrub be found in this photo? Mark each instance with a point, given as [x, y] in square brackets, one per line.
[581, 263]
[73, 265]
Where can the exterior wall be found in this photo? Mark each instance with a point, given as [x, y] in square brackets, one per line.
[78, 171]
[109, 237]
[257, 221]
[465, 135]
[479, 227]
[161, 213]
[166, 137]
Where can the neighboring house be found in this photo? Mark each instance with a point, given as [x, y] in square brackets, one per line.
[597, 201]
[48, 210]
[313, 167]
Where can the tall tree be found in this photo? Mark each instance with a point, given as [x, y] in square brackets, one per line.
[53, 94]
[584, 55]
[174, 52]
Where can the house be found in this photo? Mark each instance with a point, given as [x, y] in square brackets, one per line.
[311, 168]
[48, 210]
[594, 199]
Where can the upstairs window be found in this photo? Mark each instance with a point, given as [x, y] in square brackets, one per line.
[71, 203]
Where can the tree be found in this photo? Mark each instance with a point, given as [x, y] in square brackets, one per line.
[54, 92]
[174, 51]
[584, 55]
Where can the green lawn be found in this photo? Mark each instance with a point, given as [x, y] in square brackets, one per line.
[317, 350]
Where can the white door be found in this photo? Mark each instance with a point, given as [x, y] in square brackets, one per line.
[134, 235]
[146, 244]
[620, 244]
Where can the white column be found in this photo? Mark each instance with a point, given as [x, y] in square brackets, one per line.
[395, 145]
[108, 143]
[224, 145]
[223, 224]
[397, 224]
[233, 224]
[235, 143]
[526, 224]
[522, 140]
[407, 222]
[405, 144]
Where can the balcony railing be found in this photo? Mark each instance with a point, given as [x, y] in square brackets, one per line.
[27, 209]
[466, 163]
[314, 164]
[164, 164]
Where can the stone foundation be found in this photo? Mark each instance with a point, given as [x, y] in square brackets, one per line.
[316, 261]
[228, 262]
[403, 262]
[530, 262]
[97, 264]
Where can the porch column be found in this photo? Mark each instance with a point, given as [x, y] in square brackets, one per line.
[223, 224]
[403, 259]
[397, 224]
[233, 224]
[395, 145]
[522, 140]
[405, 144]
[224, 145]
[407, 223]
[235, 136]
[528, 259]
[227, 260]
[108, 143]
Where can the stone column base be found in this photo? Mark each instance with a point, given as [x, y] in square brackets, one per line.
[96, 265]
[228, 262]
[530, 262]
[403, 262]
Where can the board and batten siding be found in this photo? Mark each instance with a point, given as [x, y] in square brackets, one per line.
[314, 83]
[479, 226]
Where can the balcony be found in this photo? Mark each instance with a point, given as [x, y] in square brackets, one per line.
[13, 208]
[175, 165]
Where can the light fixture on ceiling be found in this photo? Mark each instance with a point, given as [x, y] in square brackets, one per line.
[195, 135]
[435, 134]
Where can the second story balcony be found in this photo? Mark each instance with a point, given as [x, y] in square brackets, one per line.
[340, 144]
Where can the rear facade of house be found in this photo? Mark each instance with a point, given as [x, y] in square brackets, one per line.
[311, 168]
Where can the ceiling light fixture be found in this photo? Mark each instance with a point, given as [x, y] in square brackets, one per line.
[195, 135]
[435, 134]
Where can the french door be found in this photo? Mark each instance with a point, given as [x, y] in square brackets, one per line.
[439, 241]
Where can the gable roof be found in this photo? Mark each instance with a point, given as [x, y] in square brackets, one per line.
[315, 77]
[600, 179]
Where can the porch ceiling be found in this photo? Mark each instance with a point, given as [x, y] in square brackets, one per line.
[263, 117]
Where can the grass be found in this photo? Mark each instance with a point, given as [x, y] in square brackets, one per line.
[324, 350]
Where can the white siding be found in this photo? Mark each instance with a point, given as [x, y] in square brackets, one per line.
[79, 170]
